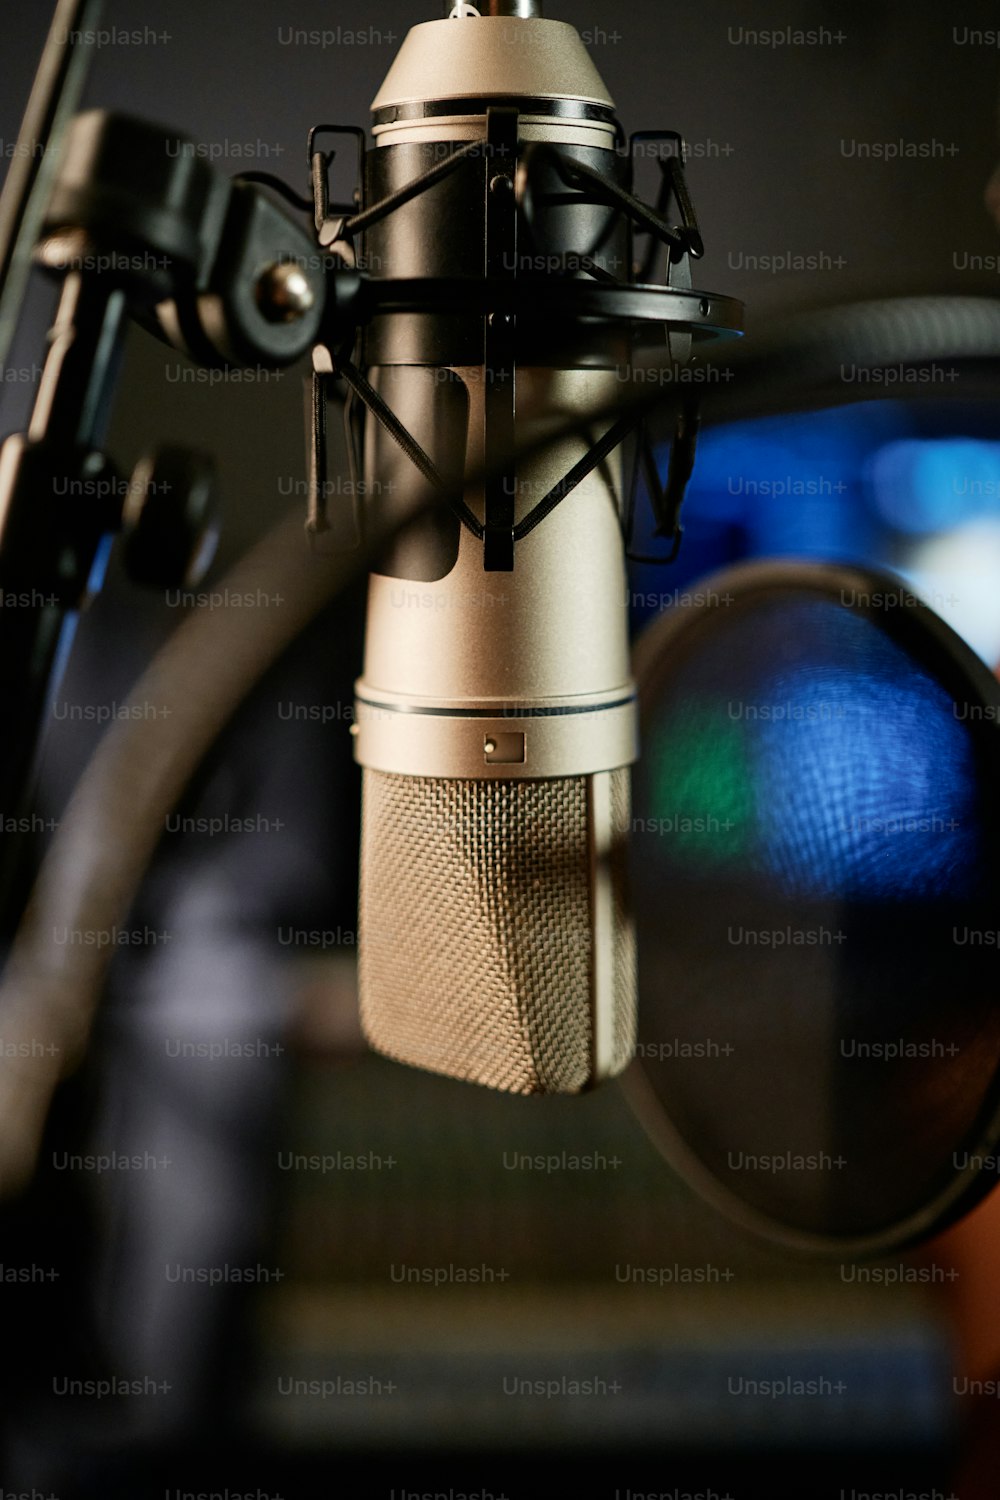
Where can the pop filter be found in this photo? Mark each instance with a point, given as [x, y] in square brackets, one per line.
[815, 871]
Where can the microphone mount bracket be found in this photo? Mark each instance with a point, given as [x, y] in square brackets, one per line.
[633, 312]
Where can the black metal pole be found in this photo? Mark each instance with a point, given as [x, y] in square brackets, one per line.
[54, 97]
[57, 504]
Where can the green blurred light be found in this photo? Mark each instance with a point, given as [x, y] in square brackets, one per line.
[702, 795]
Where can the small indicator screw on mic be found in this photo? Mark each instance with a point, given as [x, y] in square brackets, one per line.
[505, 749]
[501, 183]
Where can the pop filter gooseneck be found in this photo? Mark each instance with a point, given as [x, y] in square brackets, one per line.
[58, 85]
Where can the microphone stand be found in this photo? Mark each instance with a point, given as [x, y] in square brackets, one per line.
[137, 226]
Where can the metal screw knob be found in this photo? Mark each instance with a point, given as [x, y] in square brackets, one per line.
[284, 293]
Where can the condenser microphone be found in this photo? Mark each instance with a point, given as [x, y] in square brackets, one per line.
[496, 714]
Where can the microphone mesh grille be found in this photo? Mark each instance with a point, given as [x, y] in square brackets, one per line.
[476, 937]
[626, 984]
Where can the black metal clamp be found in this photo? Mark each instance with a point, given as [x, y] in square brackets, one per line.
[512, 177]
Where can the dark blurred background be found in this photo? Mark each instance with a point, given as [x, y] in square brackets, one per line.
[854, 165]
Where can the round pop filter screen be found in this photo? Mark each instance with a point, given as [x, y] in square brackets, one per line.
[815, 873]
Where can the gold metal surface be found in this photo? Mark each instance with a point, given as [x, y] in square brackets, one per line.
[490, 57]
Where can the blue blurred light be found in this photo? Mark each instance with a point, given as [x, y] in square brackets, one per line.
[779, 486]
[851, 484]
[875, 797]
[823, 760]
[922, 485]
